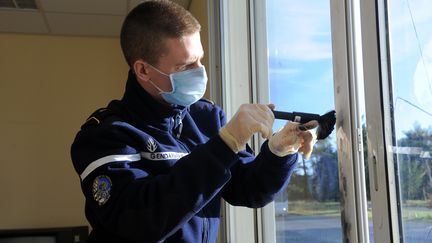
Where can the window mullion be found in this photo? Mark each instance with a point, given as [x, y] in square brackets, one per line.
[377, 84]
[350, 158]
[236, 76]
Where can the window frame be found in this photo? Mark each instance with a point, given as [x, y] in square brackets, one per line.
[347, 74]
[377, 82]
[231, 65]
[349, 136]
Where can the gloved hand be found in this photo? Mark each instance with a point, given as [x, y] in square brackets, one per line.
[292, 138]
[248, 120]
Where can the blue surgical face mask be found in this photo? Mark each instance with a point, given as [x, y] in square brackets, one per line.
[187, 86]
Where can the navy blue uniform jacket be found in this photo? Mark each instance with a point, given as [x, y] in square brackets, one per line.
[154, 173]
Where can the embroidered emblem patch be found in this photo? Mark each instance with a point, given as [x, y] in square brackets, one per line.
[101, 189]
[151, 145]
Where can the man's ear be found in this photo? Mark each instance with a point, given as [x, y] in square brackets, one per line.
[140, 68]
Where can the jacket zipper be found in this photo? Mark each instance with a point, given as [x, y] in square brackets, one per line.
[179, 123]
[205, 229]
[176, 130]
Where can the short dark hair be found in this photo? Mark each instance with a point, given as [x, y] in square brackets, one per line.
[149, 24]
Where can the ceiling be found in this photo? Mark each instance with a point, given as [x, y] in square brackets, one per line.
[67, 17]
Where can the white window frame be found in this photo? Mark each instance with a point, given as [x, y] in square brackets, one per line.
[350, 154]
[380, 158]
[231, 65]
[347, 75]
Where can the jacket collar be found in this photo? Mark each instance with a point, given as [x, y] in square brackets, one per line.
[142, 107]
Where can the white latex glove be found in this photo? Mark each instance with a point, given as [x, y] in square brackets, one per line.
[248, 120]
[292, 138]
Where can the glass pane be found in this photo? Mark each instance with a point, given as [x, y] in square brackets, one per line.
[410, 36]
[301, 79]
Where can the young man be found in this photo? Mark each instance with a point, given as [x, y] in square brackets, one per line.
[155, 164]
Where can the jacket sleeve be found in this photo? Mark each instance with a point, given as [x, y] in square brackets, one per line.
[141, 206]
[256, 180]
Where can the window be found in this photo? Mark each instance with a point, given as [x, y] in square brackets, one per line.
[300, 77]
[375, 69]
[410, 71]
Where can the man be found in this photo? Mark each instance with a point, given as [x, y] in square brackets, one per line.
[155, 164]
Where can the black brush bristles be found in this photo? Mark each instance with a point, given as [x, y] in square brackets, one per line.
[326, 125]
[326, 122]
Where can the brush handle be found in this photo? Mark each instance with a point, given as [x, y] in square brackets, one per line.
[300, 117]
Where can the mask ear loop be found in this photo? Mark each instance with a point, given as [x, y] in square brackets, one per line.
[159, 71]
[154, 85]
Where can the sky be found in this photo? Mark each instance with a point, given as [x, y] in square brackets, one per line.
[300, 59]
[299, 50]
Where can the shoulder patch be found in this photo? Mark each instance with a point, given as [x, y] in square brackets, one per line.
[101, 189]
